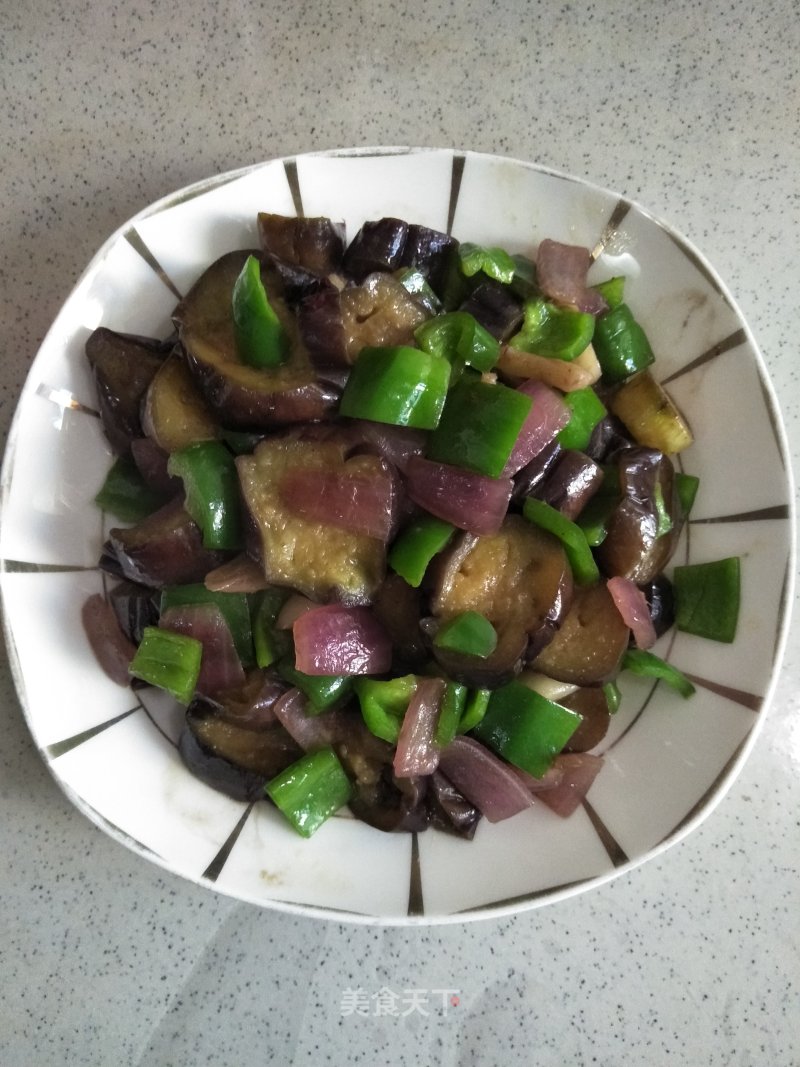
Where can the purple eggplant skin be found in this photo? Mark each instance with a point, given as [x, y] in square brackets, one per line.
[591, 704]
[244, 397]
[394, 805]
[250, 705]
[608, 437]
[429, 251]
[570, 483]
[496, 309]
[296, 283]
[528, 481]
[398, 607]
[123, 367]
[233, 760]
[321, 325]
[449, 810]
[632, 547]
[378, 246]
[661, 602]
[315, 244]
[135, 607]
[166, 548]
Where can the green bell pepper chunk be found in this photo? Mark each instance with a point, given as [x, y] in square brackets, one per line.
[453, 704]
[460, 339]
[383, 704]
[479, 426]
[211, 484]
[620, 344]
[470, 633]
[707, 598]
[269, 644]
[261, 340]
[474, 709]
[649, 665]
[323, 690]
[415, 282]
[125, 493]
[687, 486]
[495, 262]
[309, 791]
[455, 287]
[593, 520]
[524, 283]
[613, 697]
[586, 409]
[168, 660]
[612, 291]
[416, 546]
[663, 517]
[579, 554]
[400, 386]
[548, 330]
[525, 728]
[234, 607]
[241, 442]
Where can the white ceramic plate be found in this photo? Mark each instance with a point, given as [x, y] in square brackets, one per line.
[668, 761]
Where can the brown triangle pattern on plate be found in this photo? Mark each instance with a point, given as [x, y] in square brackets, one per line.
[415, 903]
[615, 851]
[778, 511]
[214, 869]
[455, 189]
[738, 337]
[753, 701]
[290, 167]
[525, 898]
[60, 748]
[137, 243]
[609, 230]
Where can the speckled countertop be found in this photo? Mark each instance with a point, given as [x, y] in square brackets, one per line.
[692, 108]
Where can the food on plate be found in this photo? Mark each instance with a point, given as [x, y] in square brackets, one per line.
[397, 515]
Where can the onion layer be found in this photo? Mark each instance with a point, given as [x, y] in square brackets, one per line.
[547, 416]
[632, 606]
[492, 785]
[473, 502]
[417, 752]
[335, 639]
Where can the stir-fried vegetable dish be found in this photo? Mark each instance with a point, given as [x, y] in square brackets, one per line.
[393, 517]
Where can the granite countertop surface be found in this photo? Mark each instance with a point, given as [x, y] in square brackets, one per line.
[692, 108]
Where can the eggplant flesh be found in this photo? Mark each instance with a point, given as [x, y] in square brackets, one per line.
[245, 397]
[322, 562]
[519, 579]
[589, 645]
[382, 312]
[175, 414]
